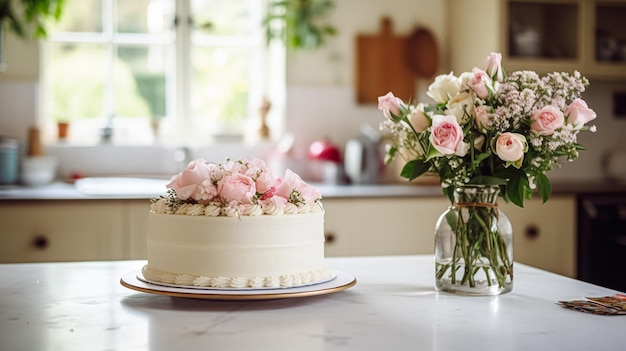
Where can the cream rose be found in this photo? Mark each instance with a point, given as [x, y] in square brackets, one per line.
[510, 147]
[444, 87]
[461, 106]
[578, 113]
[447, 135]
[547, 120]
[390, 105]
[418, 119]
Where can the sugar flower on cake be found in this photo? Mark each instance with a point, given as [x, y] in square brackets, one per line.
[236, 188]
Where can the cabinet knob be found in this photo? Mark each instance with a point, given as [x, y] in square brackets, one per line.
[41, 242]
[329, 237]
[532, 232]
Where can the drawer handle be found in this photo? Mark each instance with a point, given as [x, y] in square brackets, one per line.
[329, 237]
[532, 232]
[41, 242]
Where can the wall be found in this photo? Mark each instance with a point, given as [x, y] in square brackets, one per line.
[321, 100]
[320, 94]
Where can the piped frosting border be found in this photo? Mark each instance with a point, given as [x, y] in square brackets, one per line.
[283, 281]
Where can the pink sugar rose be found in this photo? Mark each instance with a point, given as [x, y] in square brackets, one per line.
[578, 113]
[263, 177]
[237, 188]
[510, 147]
[547, 120]
[292, 182]
[390, 105]
[446, 134]
[188, 183]
[493, 66]
[479, 82]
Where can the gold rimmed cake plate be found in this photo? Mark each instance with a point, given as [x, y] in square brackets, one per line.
[342, 281]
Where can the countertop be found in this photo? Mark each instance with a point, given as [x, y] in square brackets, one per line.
[65, 191]
[393, 306]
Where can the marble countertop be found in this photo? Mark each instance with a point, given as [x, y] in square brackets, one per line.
[82, 306]
[65, 191]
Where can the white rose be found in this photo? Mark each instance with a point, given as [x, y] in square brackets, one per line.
[461, 106]
[444, 87]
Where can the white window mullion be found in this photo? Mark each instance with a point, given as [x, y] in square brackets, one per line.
[182, 64]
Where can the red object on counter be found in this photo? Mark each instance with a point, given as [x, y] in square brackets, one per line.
[324, 150]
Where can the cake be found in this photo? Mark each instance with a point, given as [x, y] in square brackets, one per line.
[235, 225]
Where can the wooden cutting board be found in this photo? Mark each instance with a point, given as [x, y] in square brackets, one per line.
[382, 66]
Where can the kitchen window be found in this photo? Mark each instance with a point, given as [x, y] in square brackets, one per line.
[169, 70]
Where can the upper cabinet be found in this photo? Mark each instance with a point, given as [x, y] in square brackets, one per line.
[545, 36]
[565, 35]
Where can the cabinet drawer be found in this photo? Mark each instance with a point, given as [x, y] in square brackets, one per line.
[381, 226]
[62, 231]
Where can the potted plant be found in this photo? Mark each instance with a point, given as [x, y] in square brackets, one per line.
[22, 16]
[296, 22]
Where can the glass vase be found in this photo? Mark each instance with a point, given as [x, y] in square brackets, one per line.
[474, 244]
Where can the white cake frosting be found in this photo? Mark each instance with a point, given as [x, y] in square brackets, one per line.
[236, 225]
[236, 252]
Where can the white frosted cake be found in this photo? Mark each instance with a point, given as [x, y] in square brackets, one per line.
[235, 225]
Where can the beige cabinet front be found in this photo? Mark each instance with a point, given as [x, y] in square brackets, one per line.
[544, 234]
[47, 231]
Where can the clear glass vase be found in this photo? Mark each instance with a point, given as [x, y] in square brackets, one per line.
[474, 244]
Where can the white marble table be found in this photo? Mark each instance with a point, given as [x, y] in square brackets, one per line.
[82, 306]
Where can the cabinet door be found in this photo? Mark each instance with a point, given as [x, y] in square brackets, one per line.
[61, 231]
[381, 226]
[544, 235]
[137, 227]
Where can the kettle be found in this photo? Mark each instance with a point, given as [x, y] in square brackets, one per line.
[362, 159]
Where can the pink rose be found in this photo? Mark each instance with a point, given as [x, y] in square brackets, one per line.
[309, 193]
[236, 188]
[547, 120]
[479, 82]
[578, 113]
[482, 117]
[446, 134]
[263, 177]
[292, 182]
[510, 147]
[418, 119]
[493, 66]
[390, 105]
[188, 183]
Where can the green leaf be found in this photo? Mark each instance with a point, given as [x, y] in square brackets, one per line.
[544, 187]
[517, 189]
[414, 169]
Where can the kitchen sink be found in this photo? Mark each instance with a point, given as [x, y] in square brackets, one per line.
[121, 186]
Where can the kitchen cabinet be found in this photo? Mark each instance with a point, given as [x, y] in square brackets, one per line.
[46, 231]
[544, 234]
[62, 230]
[541, 35]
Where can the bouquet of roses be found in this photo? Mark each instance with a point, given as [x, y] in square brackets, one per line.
[486, 134]
[486, 127]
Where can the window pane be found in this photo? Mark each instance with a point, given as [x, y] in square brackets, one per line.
[145, 16]
[140, 82]
[219, 85]
[75, 75]
[221, 17]
[80, 16]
